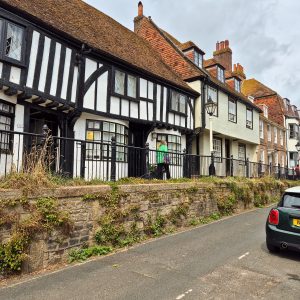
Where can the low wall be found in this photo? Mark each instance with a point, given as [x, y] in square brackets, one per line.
[146, 209]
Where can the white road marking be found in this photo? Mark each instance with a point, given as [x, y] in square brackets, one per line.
[244, 255]
[183, 295]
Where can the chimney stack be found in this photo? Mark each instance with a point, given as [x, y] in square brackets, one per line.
[223, 55]
[238, 70]
[140, 9]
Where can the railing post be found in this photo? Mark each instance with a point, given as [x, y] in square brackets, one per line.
[184, 164]
[286, 172]
[147, 160]
[259, 168]
[113, 159]
[231, 165]
[212, 169]
[270, 169]
[279, 171]
[293, 174]
[247, 168]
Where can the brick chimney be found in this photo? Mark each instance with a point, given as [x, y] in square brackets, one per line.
[238, 71]
[223, 55]
[138, 20]
[140, 9]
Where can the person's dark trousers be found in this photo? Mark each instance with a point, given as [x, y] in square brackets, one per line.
[161, 168]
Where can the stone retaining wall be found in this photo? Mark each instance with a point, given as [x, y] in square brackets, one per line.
[86, 205]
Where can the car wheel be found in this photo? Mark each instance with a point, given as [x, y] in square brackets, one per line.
[272, 248]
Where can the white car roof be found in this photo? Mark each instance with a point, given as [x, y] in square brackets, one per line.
[295, 189]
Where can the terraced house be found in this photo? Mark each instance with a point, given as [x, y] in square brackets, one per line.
[71, 67]
[236, 119]
[283, 126]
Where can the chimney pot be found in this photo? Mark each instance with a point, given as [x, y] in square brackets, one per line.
[222, 45]
[218, 46]
[140, 9]
[226, 44]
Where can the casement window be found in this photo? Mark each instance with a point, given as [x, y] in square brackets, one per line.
[178, 102]
[213, 94]
[102, 133]
[275, 135]
[281, 137]
[242, 153]
[174, 146]
[6, 124]
[198, 59]
[261, 129]
[269, 133]
[237, 85]
[221, 75]
[232, 110]
[249, 118]
[13, 41]
[146, 89]
[294, 130]
[125, 84]
[217, 148]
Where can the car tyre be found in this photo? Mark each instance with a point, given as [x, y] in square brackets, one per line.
[272, 248]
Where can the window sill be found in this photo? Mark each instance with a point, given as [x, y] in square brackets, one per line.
[113, 94]
[13, 62]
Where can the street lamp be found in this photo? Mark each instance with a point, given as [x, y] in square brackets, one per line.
[210, 107]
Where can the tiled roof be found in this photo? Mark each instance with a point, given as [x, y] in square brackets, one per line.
[252, 87]
[190, 45]
[88, 25]
[211, 62]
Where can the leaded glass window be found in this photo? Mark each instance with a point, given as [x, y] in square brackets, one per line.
[174, 147]
[14, 41]
[249, 118]
[131, 86]
[119, 82]
[178, 102]
[232, 110]
[217, 148]
[101, 133]
[6, 123]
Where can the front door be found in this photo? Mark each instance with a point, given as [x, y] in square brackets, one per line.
[37, 119]
[138, 134]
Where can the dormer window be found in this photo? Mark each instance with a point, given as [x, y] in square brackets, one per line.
[237, 85]
[221, 76]
[198, 59]
[265, 111]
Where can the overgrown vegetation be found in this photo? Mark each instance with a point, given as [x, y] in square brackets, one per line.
[43, 216]
[85, 253]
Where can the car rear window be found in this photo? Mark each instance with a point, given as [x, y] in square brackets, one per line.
[291, 200]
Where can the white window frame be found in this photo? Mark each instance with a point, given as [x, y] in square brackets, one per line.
[269, 130]
[275, 135]
[261, 129]
[221, 74]
[217, 148]
[249, 123]
[237, 85]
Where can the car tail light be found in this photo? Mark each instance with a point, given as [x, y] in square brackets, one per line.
[274, 217]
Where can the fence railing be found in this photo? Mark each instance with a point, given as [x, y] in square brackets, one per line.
[110, 161]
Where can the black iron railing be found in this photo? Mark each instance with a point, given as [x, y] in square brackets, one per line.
[110, 161]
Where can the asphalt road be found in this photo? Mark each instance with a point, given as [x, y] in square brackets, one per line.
[223, 260]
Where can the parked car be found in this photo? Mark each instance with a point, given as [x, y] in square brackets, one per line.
[283, 223]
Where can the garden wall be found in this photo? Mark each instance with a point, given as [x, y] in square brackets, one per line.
[40, 229]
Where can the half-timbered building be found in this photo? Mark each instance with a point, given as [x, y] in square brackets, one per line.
[71, 67]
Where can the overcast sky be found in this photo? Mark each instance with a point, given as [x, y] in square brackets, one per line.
[263, 34]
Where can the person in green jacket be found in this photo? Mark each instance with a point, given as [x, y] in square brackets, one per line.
[163, 160]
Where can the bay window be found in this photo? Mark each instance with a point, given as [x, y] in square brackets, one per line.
[174, 147]
[6, 124]
[101, 133]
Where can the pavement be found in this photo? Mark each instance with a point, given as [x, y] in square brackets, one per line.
[227, 259]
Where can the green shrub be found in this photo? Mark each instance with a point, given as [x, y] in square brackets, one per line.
[85, 253]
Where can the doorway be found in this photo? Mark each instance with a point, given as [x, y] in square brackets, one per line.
[138, 134]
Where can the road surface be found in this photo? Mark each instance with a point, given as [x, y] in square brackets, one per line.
[223, 260]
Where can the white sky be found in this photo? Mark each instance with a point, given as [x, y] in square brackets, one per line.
[263, 34]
